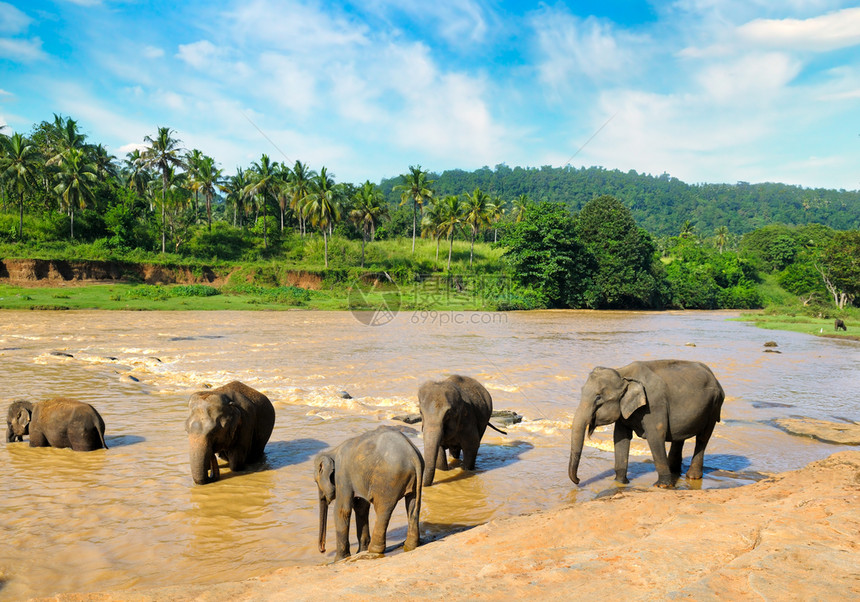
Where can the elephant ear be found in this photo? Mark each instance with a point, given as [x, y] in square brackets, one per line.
[23, 417]
[633, 398]
[325, 476]
[231, 418]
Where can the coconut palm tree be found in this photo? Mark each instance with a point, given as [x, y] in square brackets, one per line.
[300, 182]
[193, 160]
[495, 213]
[18, 161]
[105, 162]
[322, 207]
[430, 224]
[519, 207]
[722, 238]
[236, 196]
[476, 215]
[76, 173]
[369, 208]
[207, 179]
[163, 154]
[416, 190]
[261, 186]
[451, 211]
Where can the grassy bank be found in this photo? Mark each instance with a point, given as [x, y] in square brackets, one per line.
[814, 325]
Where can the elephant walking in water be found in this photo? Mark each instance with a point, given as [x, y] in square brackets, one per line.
[455, 412]
[376, 468]
[234, 422]
[661, 400]
[58, 422]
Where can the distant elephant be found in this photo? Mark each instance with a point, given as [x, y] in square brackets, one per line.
[661, 400]
[839, 325]
[57, 422]
[455, 413]
[234, 422]
[377, 467]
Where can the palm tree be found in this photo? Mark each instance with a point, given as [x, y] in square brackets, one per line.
[370, 207]
[416, 190]
[193, 160]
[176, 196]
[300, 179]
[519, 209]
[495, 213]
[688, 230]
[163, 154]
[235, 189]
[430, 224]
[64, 137]
[476, 215]
[104, 162]
[18, 169]
[76, 173]
[207, 179]
[722, 238]
[451, 216]
[262, 186]
[323, 207]
[136, 175]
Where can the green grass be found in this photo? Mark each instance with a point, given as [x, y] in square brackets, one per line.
[813, 325]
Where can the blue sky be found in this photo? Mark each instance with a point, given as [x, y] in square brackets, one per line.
[705, 90]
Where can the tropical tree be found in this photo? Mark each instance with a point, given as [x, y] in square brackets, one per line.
[430, 223]
[476, 215]
[163, 154]
[369, 207]
[76, 173]
[451, 212]
[722, 238]
[495, 213]
[300, 181]
[105, 162]
[18, 161]
[416, 190]
[136, 175]
[207, 180]
[839, 266]
[519, 206]
[261, 186]
[193, 160]
[236, 195]
[322, 208]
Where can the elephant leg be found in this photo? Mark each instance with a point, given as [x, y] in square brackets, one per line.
[621, 437]
[342, 515]
[37, 438]
[362, 523]
[661, 462]
[412, 511]
[697, 464]
[441, 459]
[383, 516]
[676, 454]
[455, 451]
[470, 443]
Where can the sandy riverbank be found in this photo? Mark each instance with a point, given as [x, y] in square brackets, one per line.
[789, 537]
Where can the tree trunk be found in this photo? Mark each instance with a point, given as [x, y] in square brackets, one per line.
[21, 218]
[414, 214]
[325, 244]
[450, 248]
[363, 241]
[472, 248]
[208, 211]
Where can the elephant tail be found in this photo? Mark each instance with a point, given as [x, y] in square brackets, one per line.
[498, 430]
[102, 438]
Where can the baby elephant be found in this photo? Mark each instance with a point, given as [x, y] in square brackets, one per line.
[378, 467]
[233, 421]
[58, 422]
[839, 325]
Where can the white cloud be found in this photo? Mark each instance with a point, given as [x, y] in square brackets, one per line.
[751, 79]
[572, 47]
[199, 55]
[838, 29]
[5, 92]
[12, 20]
[459, 22]
[152, 52]
[23, 50]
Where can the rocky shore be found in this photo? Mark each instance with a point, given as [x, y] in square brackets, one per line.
[793, 536]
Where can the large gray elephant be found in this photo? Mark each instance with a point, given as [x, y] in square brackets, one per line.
[378, 467]
[661, 400]
[233, 421]
[455, 412]
[58, 422]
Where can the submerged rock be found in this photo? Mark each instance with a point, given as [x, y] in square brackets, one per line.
[507, 417]
[840, 433]
[344, 395]
[771, 344]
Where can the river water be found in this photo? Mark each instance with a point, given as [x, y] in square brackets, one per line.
[130, 516]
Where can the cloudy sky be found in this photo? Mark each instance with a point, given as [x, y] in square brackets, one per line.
[705, 90]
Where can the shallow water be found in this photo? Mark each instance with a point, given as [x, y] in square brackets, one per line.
[131, 516]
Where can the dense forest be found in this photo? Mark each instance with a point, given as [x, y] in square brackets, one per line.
[562, 237]
[661, 204]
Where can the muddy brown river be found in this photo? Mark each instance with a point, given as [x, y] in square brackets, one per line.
[130, 516]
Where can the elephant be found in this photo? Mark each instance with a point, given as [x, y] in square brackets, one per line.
[57, 422]
[455, 413]
[378, 467]
[660, 400]
[233, 421]
[839, 325]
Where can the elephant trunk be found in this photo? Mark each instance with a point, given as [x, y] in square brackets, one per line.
[10, 434]
[323, 521]
[582, 420]
[432, 441]
[202, 460]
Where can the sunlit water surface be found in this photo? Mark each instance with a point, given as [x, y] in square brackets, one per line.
[131, 516]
